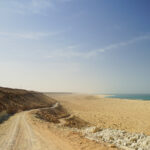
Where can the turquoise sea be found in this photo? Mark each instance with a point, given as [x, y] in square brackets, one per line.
[131, 96]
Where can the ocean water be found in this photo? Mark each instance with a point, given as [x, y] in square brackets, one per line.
[131, 96]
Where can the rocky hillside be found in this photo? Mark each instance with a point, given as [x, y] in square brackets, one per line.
[15, 100]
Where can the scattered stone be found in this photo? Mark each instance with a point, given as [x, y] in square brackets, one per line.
[118, 138]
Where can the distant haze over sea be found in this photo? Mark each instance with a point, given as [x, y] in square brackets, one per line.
[131, 96]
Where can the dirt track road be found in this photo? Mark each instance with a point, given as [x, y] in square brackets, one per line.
[23, 132]
[17, 134]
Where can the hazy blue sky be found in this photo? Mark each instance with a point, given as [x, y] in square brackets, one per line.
[75, 45]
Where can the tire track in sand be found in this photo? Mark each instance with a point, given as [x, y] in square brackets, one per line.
[21, 136]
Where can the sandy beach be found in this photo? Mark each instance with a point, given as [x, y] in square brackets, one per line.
[132, 116]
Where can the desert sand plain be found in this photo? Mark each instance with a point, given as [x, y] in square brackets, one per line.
[129, 115]
[122, 122]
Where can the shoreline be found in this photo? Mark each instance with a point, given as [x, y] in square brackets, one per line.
[121, 98]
